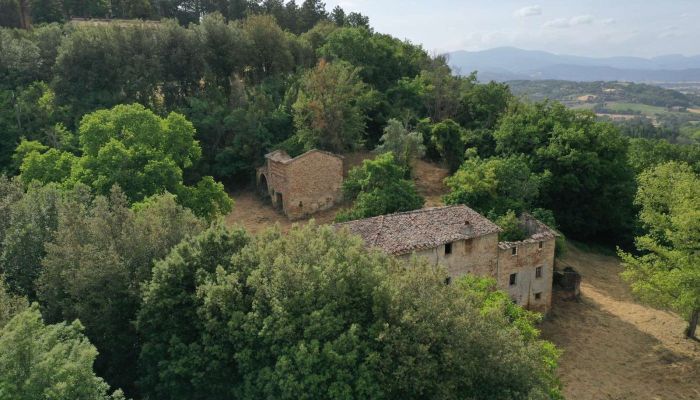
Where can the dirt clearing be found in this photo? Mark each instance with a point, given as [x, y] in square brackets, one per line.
[615, 348]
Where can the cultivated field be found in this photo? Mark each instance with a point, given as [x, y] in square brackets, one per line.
[614, 348]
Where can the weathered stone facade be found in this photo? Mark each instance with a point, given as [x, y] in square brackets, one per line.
[465, 242]
[302, 185]
[526, 268]
[477, 256]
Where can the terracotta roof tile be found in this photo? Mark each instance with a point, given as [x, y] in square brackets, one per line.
[405, 232]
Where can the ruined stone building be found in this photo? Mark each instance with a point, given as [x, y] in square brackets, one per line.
[302, 185]
[465, 242]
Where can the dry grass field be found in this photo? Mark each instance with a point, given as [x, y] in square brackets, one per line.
[613, 347]
[616, 348]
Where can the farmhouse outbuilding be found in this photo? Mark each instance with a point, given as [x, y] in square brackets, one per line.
[302, 185]
[465, 242]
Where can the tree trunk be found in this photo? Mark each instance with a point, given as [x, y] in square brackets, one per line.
[25, 21]
[693, 324]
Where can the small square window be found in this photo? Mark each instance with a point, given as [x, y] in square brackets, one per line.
[538, 272]
[514, 251]
[513, 279]
[448, 248]
[538, 295]
[540, 245]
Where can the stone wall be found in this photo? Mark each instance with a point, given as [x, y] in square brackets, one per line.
[313, 183]
[474, 256]
[524, 263]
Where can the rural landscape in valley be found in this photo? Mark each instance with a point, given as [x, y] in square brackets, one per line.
[277, 199]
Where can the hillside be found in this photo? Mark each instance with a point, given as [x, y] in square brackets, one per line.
[641, 110]
[614, 347]
[509, 63]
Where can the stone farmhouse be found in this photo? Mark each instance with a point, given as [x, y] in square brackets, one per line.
[465, 242]
[302, 185]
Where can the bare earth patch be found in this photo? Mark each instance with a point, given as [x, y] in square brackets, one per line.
[429, 177]
[615, 348]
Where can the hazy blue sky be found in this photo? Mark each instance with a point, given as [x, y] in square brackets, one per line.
[582, 27]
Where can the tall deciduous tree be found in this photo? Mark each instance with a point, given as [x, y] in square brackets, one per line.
[667, 270]
[133, 148]
[447, 137]
[328, 113]
[495, 185]
[95, 263]
[406, 146]
[32, 219]
[48, 361]
[592, 186]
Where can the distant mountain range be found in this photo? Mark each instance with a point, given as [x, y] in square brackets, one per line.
[510, 63]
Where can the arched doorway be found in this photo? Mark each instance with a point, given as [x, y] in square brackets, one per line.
[262, 185]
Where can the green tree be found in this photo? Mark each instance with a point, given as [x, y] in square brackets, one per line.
[379, 187]
[666, 272]
[133, 148]
[172, 328]
[592, 186]
[11, 191]
[269, 52]
[328, 113]
[222, 318]
[101, 253]
[441, 90]
[224, 47]
[10, 305]
[48, 361]
[495, 185]
[512, 231]
[406, 146]
[32, 220]
[648, 153]
[446, 136]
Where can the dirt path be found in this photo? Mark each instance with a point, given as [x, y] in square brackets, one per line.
[615, 348]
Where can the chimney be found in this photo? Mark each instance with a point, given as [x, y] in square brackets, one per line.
[467, 228]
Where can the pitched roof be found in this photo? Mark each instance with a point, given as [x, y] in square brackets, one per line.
[410, 231]
[282, 156]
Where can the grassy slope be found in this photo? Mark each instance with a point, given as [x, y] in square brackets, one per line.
[614, 347]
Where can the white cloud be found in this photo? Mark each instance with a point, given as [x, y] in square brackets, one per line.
[529, 11]
[581, 20]
[608, 21]
[557, 23]
[569, 22]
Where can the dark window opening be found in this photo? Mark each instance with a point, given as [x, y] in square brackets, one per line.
[538, 272]
[538, 296]
[448, 248]
[513, 279]
[514, 250]
[301, 205]
[541, 244]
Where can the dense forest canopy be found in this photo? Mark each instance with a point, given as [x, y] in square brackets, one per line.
[119, 140]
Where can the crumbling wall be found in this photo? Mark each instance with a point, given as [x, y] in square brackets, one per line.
[529, 290]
